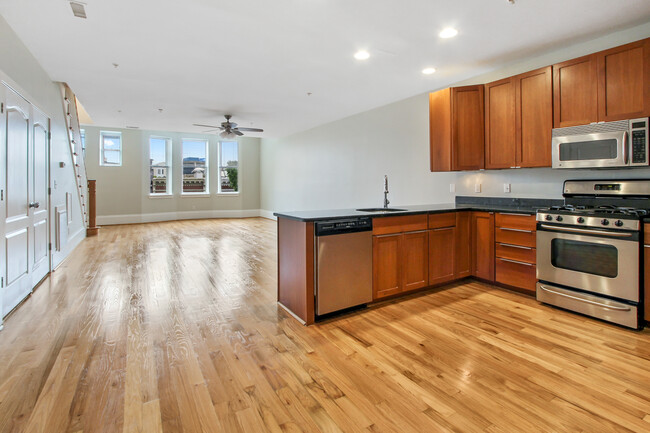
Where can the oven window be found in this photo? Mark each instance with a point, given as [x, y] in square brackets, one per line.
[585, 257]
[586, 150]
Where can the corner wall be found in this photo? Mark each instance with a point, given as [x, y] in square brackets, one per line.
[123, 192]
[341, 164]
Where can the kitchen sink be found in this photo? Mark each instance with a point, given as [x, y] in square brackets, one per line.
[381, 209]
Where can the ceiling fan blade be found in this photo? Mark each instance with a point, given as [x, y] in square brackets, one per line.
[251, 129]
[207, 131]
[206, 126]
[236, 131]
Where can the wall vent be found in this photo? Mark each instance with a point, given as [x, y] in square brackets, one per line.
[78, 9]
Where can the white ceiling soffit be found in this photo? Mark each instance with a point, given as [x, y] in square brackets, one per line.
[259, 59]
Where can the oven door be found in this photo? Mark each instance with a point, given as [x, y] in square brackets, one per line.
[595, 150]
[592, 260]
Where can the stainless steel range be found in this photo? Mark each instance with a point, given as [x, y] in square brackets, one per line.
[589, 250]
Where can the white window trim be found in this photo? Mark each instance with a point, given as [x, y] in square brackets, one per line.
[219, 192]
[101, 148]
[205, 193]
[168, 159]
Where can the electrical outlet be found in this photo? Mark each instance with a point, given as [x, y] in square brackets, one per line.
[506, 187]
[477, 187]
[452, 187]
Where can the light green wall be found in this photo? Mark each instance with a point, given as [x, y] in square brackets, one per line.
[123, 192]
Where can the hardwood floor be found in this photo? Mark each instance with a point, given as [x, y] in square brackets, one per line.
[173, 327]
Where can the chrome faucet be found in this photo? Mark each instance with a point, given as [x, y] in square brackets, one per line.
[386, 201]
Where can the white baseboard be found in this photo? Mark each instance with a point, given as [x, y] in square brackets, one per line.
[268, 214]
[105, 220]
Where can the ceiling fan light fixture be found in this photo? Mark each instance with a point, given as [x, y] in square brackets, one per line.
[228, 134]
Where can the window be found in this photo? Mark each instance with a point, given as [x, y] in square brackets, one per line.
[110, 148]
[159, 165]
[228, 167]
[195, 166]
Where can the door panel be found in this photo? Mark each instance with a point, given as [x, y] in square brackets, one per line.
[500, 124]
[40, 243]
[17, 258]
[40, 263]
[442, 247]
[575, 88]
[415, 260]
[17, 150]
[386, 265]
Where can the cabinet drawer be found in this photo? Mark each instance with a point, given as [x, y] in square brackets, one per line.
[516, 252]
[506, 235]
[399, 224]
[522, 275]
[440, 220]
[515, 221]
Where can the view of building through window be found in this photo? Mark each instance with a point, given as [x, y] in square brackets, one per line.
[228, 166]
[195, 166]
[110, 148]
[159, 166]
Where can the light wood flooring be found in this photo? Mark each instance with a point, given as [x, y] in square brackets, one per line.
[173, 327]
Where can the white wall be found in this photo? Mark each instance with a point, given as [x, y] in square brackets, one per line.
[123, 192]
[341, 164]
[21, 70]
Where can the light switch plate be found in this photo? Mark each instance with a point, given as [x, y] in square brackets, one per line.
[506, 187]
[452, 187]
[477, 187]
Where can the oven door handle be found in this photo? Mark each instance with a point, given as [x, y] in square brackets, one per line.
[586, 301]
[586, 231]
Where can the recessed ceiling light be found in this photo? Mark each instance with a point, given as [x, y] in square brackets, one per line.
[428, 71]
[447, 33]
[361, 55]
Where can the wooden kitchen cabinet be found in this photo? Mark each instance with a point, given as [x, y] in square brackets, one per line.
[415, 260]
[456, 129]
[515, 250]
[442, 248]
[385, 265]
[575, 92]
[483, 245]
[646, 272]
[463, 250]
[500, 131]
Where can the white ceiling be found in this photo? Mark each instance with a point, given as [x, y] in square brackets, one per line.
[258, 59]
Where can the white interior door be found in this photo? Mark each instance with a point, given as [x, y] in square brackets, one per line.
[40, 256]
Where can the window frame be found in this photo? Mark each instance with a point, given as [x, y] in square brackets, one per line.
[102, 150]
[205, 193]
[220, 165]
[168, 160]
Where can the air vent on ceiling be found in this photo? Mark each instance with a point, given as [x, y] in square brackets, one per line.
[78, 9]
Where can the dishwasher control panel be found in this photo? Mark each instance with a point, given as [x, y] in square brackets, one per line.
[350, 225]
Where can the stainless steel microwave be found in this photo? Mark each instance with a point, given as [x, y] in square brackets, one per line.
[602, 145]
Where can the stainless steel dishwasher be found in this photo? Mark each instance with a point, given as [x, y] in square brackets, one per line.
[343, 263]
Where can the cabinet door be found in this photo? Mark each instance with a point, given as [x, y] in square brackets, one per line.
[624, 82]
[483, 245]
[385, 265]
[415, 260]
[440, 130]
[534, 117]
[575, 92]
[467, 131]
[442, 246]
[462, 259]
[646, 271]
[500, 124]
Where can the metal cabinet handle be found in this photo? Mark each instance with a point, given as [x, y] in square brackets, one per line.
[586, 301]
[515, 230]
[35, 204]
[515, 261]
[516, 246]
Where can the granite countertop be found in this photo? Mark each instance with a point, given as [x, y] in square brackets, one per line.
[314, 215]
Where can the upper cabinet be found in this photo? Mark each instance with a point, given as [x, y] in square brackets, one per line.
[456, 129]
[519, 120]
[603, 87]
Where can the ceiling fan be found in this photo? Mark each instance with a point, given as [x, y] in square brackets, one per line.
[229, 129]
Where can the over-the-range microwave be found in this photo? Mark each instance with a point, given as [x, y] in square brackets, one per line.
[602, 145]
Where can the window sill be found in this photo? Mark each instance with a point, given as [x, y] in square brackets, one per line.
[161, 195]
[194, 194]
[227, 194]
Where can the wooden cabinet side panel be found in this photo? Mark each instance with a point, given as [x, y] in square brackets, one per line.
[467, 130]
[575, 92]
[415, 260]
[442, 254]
[462, 259]
[386, 278]
[534, 117]
[500, 133]
[440, 130]
[483, 245]
[624, 82]
[646, 269]
[296, 267]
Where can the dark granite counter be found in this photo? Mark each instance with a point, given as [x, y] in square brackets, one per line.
[489, 204]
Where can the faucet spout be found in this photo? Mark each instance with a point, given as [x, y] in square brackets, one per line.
[386, 201]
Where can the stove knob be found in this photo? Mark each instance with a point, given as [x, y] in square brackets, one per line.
[604, 222]
[618, 223]
[581, 219]
[549, 217]
[558, 218]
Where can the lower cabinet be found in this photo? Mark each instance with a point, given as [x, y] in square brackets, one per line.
[515, 251]
[442, 246]
[483, 245]
[646, 268]
[400, 263]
